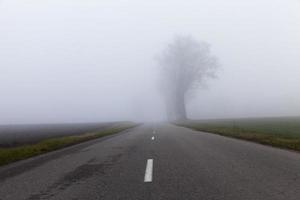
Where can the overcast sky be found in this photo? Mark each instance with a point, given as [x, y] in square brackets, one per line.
[81, 61]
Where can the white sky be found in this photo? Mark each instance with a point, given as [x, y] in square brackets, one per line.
[80, 61]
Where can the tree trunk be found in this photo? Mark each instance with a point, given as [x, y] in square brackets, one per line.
[175, 107]
[180, 107]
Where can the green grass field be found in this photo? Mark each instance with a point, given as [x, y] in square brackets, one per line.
[281, 132]
[12, 154]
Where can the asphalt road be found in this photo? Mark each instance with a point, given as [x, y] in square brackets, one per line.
[185, 165]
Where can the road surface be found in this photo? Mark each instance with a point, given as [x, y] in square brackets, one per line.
[157, 161]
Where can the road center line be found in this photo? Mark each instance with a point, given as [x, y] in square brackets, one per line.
[148, 172]
[152, 138]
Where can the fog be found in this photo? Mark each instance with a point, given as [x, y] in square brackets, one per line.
[89, 61]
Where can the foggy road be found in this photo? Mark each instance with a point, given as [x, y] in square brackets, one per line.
[157, 161]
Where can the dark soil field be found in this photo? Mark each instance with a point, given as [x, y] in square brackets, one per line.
[15, 135]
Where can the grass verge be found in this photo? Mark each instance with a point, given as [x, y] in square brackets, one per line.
[9, 155]
[277, 132]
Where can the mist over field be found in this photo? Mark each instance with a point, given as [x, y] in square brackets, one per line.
[90, 61]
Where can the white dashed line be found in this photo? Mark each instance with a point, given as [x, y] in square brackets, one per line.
[148, 172]
[152, 138]
[154, 131]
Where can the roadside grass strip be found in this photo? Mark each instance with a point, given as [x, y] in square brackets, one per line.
[283, 133]
[13, 154]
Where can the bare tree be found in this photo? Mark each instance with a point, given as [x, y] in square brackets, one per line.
[185, 65]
